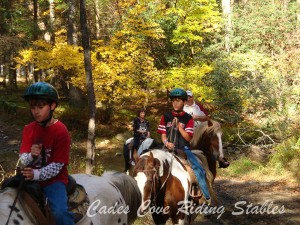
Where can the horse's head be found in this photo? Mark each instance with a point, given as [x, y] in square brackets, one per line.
[146, 173]
[164, 183]
[208, 138]
[214, 137]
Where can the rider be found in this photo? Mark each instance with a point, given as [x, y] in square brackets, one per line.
[197, 111]
[176, 128]
[199, 114]
[176, 117]
[45, 149]
[141, 131]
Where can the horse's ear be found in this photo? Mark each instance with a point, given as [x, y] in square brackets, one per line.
[150, 158]
[209, 123]
[151, 155]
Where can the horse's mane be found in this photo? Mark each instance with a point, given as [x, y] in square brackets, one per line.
[199, 131]
[129, 190]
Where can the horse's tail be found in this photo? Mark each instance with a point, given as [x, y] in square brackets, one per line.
[129, 190]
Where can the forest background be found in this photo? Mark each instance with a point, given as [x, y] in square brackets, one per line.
[240, 58]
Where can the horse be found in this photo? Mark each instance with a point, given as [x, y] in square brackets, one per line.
[165, 184]
[114, 198]
[144, 146]
[208, 138]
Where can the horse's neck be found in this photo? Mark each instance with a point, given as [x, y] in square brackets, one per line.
[7, 197]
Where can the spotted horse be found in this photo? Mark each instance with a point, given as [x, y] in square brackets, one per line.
[113, 198]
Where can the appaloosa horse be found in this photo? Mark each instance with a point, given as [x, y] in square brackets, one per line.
[114, 198]
[208, 138]
[165, 184]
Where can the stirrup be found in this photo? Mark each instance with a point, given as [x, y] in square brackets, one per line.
[197, 196]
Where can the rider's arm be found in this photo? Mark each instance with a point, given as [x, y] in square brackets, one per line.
[188, 131]
[26, 158]
[164, 139]
[136, 127]
[47, 172]
[184, 134]
[201, 118]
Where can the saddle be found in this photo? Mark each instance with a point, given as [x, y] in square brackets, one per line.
[30, 194]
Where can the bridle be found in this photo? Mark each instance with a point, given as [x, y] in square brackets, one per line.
[155, 180]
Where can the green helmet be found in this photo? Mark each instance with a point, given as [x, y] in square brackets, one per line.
[41, 90]
[178, 93]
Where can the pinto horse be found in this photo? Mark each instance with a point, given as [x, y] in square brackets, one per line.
[114, 198]
[208, 138]
[144, 146]
[165, 184]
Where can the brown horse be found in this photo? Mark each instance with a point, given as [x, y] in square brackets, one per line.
[208, 138]
[165, 184]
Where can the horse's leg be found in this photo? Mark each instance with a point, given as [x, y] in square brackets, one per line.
[126, 153]
[135, 155]
[159, 219]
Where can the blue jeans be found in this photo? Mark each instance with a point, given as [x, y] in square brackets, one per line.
[199, 172]
[57, 198]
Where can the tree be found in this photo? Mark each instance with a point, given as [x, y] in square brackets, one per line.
[90, 154]
[227, 13]
[71, 22]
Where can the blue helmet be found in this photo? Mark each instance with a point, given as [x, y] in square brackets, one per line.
[178, 93]
[41, 90]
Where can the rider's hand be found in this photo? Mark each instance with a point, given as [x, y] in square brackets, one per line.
[170, 145]
[36, 150]
[27, 173]
[175, 122]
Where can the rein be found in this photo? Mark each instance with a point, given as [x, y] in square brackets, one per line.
[15, 200]
[35, 160]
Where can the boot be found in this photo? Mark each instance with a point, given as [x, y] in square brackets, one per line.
[223, 163]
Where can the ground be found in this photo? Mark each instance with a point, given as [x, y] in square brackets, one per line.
[255, 202]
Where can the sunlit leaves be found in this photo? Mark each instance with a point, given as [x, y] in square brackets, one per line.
[195, 18]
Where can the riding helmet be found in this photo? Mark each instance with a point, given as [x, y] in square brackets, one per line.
[178, 93]
[41, 90]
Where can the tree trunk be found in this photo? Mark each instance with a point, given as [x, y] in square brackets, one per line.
[97, 15]
[72, 23]
[90, 154]
[35, 35]
[227, 13]
[52, 21]
[298, 13]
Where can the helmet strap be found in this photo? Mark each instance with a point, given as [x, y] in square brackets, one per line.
[44, 122]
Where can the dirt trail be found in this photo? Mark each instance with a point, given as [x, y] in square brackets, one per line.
[257, 203]
[10, 137]
[250, 202]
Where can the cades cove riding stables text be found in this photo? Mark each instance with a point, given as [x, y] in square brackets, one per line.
[189, 208]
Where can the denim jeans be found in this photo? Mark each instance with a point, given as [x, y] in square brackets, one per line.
[199, 171]
[57, 198]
